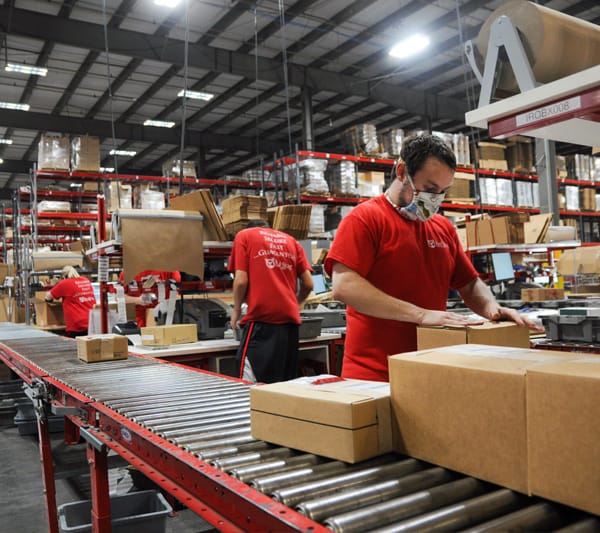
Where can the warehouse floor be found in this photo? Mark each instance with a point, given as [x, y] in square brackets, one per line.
[22, 504]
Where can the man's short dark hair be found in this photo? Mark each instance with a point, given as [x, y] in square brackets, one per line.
[258, 223]
[418, 148]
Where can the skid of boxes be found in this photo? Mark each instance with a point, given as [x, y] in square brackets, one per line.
[520, 418]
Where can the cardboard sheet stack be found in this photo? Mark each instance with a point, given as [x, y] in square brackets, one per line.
[202, 201]
[240, 209]
[292, 219]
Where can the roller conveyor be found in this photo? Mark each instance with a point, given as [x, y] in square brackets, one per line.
[189, 431]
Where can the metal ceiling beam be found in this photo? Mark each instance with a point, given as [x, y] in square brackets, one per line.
[134, 132]
[135, 44]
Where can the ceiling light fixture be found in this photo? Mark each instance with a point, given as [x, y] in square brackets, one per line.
[26, 69]
[410, 46]
[159, 123]
[1, 161]
[11, 105]
[107, 169]
[122, 152]
[6, 141]
[196, 95]
[167, 3]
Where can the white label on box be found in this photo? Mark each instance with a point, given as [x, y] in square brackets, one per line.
[549, 111]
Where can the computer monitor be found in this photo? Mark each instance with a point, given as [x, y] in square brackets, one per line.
[319, 284]
[503, 267]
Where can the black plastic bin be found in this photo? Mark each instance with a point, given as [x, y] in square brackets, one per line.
[144, 511]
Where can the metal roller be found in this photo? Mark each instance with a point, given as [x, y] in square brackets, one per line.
[200, 429]
[251, 458]
[247, 473]
[461, 514]
[210, 399]
[542, 516]
[589, 525]
[268, 484]
[228, 451]
[200, 436]
[201, 406]
[290, 496]
[171, 416]
[217, 443]
[388, 512]
[322, 508]
[222, 417]
[179, 417]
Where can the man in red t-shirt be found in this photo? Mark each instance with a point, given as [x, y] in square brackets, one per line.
[393, 260]
[267, 265]
[78, 299]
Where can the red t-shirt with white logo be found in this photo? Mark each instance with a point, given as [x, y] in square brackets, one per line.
[77, 299]
[273, 261]
[410, 260]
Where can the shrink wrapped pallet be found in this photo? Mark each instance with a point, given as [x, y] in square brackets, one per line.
[53, 152]
[392, 141]
[361, 139]
[342, 178]
[310, 178]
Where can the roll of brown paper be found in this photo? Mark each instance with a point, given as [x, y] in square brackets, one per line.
[556, 44]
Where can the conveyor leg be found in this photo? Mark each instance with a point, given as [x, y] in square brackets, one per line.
[48, 473]
[97, 459]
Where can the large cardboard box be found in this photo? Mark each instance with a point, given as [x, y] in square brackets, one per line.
[47, 313]
[579, 261]
[168, 335]
[464, 408]
[493, 333]
[563, 409]
[538, 294]
[348, 420]
[101, 347]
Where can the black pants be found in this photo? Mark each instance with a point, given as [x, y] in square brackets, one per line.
[74, 334]
[272, 350]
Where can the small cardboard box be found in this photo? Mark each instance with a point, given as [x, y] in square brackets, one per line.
[464, 408]
[493, 333]
[536, 295]
[563, 410]
[579, 261]
[101, 347]
[348, 420]
[168, 335]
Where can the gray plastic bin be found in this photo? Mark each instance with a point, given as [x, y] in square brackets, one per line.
[145, 511]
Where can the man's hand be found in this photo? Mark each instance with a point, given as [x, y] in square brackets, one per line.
[446, 318]
[235, 317]
[506, 313]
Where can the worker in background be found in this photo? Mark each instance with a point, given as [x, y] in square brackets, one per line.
[78, 300]
[267, 265]
[393, 260]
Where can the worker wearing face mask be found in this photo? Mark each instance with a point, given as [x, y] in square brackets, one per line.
[393, 260]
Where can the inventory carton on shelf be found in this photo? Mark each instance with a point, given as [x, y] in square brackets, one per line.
[464, 408]
[344, 419]
[563, 410]
[101, 347]
[168, 335]
[494, 333]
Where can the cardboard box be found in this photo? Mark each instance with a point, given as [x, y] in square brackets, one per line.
[492, 333]
[536, 295]
[563, 411]
[102, 347]
[348, 420]
[463, 407]
[579, 261]
[85, 153]
[47, 313]
[168, 335]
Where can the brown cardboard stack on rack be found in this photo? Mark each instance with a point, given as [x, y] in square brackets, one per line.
[292, 219]
[587, 199]
[519, 153]
[514, 228]
[171, 169]
[85, 154]
[492, 156]
[461, 187]
[202, 201]
[239, 209]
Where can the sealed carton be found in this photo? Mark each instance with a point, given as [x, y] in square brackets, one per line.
[345, 419]
[464, 408]
[101, 347]
[47, 313]
[168, 335]
[563, 409]
[494, 333]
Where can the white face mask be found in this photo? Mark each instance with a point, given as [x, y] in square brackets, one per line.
[423, 204]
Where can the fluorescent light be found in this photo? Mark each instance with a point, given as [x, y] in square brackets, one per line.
[6, 141]
[196, 95]
[1, 161]
[11, 105]
[159, 123]
[122, 152]
[167, 3]
[107, 169]
[26, 69]
[410, 46]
